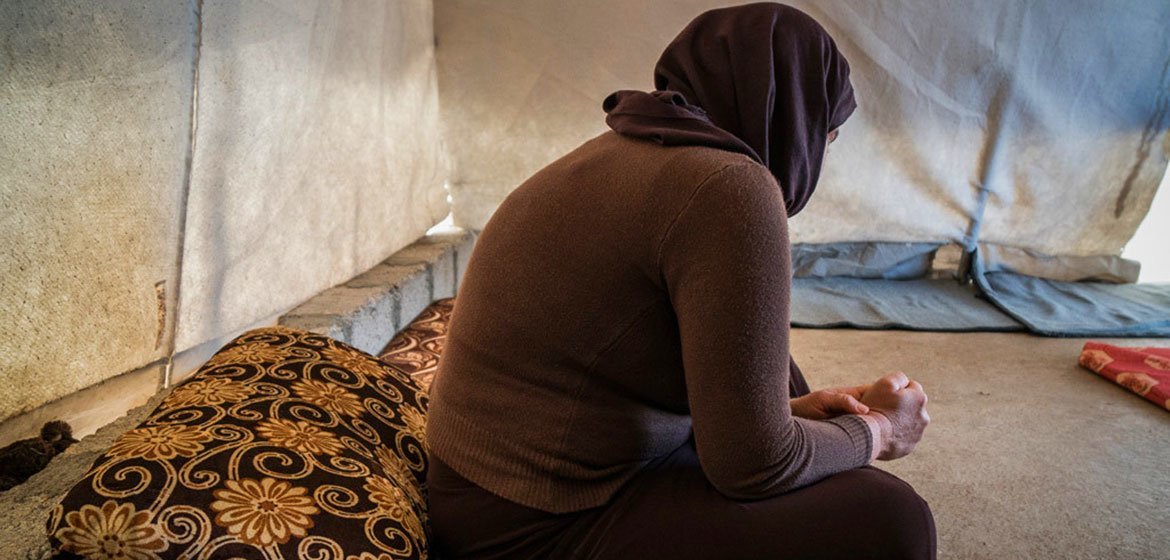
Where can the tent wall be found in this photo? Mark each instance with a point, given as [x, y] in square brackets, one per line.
[312, 118]
[318, 153]
[93, 137]
[1035, 128]
[172, 172]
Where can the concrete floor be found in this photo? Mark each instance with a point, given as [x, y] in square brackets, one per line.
[1027, 454]
[25, 508]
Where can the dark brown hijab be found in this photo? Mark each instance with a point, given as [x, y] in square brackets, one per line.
[765, 80]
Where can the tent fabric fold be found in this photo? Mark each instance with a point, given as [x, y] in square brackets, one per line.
[887, 261]
[890, 286]
[1079, 309]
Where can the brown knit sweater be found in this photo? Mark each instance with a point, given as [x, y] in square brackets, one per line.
[623, 297]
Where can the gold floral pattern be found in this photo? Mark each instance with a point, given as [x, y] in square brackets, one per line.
[396, 469]
[416, 423]
[208, 392]
[334, 398]
[354, 362]
[368, 556]
[252, 353]
[299, 436]
[412, 359]
[160, 443]
[264, 512]
[416, 350]
[113, 531]
[392, 502]
[285, 444]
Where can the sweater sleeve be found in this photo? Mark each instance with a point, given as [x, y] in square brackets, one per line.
[725, 261]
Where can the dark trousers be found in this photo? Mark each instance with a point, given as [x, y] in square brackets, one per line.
[670, 510]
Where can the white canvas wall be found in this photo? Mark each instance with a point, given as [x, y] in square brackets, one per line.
[317, 155]
[318, 150]
[94, 111]
[1057, 109]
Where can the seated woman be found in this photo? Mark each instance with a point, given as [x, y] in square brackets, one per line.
[616, 381]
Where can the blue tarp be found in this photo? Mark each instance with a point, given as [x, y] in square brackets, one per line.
[888, 261]
[922, 304]
[1080, 309]
[884, 286]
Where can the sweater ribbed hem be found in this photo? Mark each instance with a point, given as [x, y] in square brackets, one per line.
[859, 436]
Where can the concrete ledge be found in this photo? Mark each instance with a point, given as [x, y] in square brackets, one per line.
[370, 308]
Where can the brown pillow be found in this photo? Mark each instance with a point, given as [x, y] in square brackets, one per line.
[285, 444]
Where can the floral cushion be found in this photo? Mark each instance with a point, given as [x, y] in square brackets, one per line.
[1145, 371]
[286, 444]
[417, 348]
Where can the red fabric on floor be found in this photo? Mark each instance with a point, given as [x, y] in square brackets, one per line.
[1145, 371]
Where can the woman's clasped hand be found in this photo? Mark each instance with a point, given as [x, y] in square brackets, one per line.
[895, 404]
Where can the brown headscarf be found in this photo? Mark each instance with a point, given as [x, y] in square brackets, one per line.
[765, 80]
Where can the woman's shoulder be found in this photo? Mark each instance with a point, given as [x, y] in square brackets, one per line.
[616, 176]
[650, 156]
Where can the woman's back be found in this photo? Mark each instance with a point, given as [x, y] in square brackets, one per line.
[616, 380]
[563, 373]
